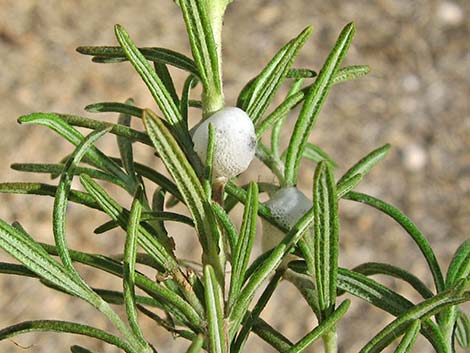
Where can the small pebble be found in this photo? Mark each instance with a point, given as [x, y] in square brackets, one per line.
[450, 13]
[414, 157]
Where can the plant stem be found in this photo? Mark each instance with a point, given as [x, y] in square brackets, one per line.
[330, 341]
[213, 97]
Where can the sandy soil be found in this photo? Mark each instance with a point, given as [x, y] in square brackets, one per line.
[416, 98]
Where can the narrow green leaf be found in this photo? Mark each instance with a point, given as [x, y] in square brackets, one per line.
[425, 309]
[95, 156]
[167, 299]
[326, 238]
[276, 132]
[47, 190]
[189, 186]
[196, 345]
[410, 337]
[160, 55]
[57, 169]
[168, 324]
[65, 327]
[266, 84]
[316, 154]
[61, 199]
[153, 246]
[270, 264]
[348, 185]
[215, 312]
[244, 244]
[116, 129]
[380, 296]
[159, 249]
[36, 259]
[462, 330]
[373, 268]
[157, 178]
[313, 102]
[409, 227]
[460, 265]
[292, 101]
[164, 74]
[158, 206]
[114, 107]
[365, 164]
[263, 330]
[209, 161]
[250, 318]
[130, 251]
[15, 269]
[189, 84]
[154, 84]
[148, 216]
[227, 225]
[321, 329]
[125, 145]
[351, 73]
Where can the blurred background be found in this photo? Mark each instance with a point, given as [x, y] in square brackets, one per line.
[416, 98]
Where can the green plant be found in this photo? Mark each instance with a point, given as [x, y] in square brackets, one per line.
[211, 309]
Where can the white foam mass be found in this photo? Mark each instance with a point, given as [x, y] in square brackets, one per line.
[287, 206]
[235, 141]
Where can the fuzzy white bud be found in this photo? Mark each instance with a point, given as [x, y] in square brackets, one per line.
[235, 141]
[287, 206]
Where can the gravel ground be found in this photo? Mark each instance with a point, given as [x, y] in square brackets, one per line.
[416, 98]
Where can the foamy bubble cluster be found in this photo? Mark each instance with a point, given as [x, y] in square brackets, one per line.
[235, 141]
[287, 206]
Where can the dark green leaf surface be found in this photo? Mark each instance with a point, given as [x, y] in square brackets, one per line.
[409, 227]
[189, 186]
[161, 55]
[244, 244]
[215, 312]
[321, 329]
[264, 87]
[313, 102]
[364, 165]
[373, 268]
[425, 309]
[65, 327]
[409, 338]
[130, 251]
[326, 238]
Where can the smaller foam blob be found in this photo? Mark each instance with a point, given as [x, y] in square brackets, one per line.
[235, 141]
[287, 206]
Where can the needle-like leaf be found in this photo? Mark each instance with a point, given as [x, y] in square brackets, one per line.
[189, 186]
[215, 312]
[66, 327]
[130, 251]
[244, 244]
[313, 102]
[409, 227]
[326, 238]
[373, 268]
[321, 329]
[364, 165]
[61, 199]
[258, 95]
[155, 85]
[409, 338]
[450, 297]
[105, 54]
